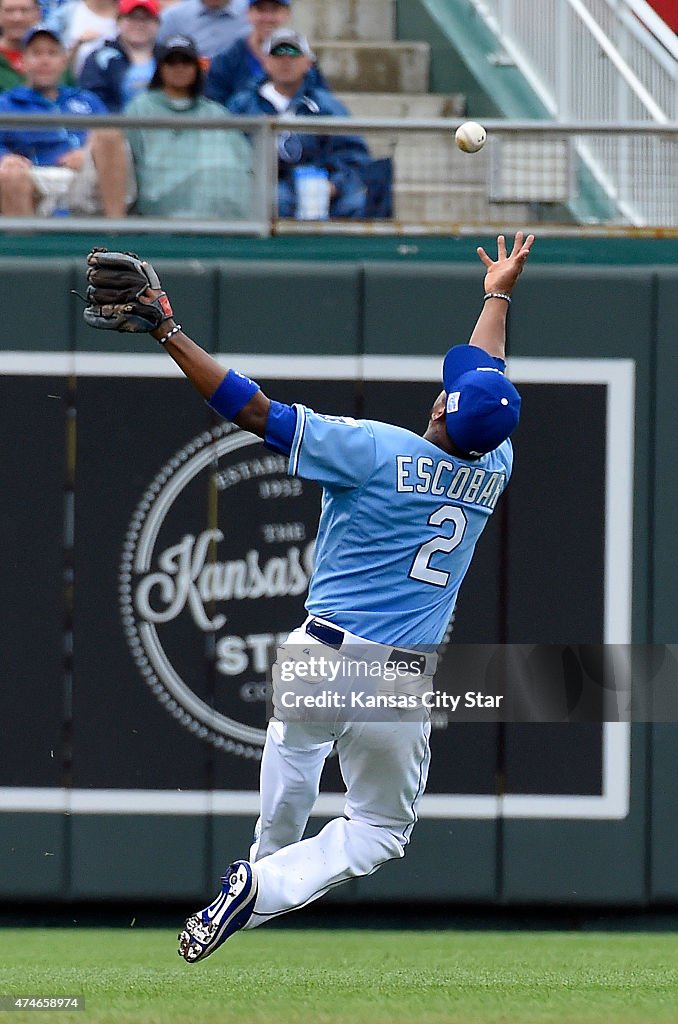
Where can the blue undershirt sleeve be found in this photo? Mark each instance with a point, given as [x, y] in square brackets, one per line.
[280, 427]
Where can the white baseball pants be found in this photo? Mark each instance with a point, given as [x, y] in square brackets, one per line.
[384, 765]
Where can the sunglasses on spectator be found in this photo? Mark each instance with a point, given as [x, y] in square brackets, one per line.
[179, 58]
[286, 51]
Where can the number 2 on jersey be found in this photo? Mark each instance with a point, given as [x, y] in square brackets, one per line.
[421, 570]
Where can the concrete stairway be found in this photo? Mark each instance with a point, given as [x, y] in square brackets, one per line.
[356, 46]
[377, 76]
[345, 19]
[375, 67]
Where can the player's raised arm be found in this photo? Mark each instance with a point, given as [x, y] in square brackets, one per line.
[124, 294]
[228, 392]
[501, 275]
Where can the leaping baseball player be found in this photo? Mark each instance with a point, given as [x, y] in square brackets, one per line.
[401, 514]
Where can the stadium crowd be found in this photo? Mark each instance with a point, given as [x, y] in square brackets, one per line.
[197, 59]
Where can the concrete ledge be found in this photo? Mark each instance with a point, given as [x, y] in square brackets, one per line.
[379, 104]
[456, 204]
[371, 67]
[345, 19]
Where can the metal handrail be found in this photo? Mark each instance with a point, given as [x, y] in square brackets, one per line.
[599, 59]
[651, 199]
[616, 59]
[341, 125]
[635, 15]
[639, 10]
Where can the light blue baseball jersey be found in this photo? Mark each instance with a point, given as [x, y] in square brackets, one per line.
[400, 520]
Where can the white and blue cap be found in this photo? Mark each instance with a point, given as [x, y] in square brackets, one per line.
[286, 40]
[482, 407]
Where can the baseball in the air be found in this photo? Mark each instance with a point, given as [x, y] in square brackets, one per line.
[470, 136]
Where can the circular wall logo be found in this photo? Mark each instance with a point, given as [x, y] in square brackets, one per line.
[214, 571]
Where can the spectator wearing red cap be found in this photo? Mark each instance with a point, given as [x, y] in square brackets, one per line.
[120, 69]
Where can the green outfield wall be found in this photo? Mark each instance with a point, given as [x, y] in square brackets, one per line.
[603, 300]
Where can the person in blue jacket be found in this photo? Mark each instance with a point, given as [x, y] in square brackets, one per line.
[121, 68]
[285, 90]
[233, 69]
[42, 169]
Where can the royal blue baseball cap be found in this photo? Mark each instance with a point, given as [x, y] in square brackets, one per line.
[482, 407]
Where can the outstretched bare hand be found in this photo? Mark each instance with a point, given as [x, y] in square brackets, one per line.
[503, 272]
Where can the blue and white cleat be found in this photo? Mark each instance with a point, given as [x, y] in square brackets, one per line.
[228, 913]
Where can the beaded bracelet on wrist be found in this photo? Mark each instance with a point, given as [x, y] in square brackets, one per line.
[170, 334]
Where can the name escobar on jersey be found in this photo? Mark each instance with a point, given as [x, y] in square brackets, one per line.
[442, 477]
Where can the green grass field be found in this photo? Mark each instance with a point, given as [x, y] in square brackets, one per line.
[347, 977]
